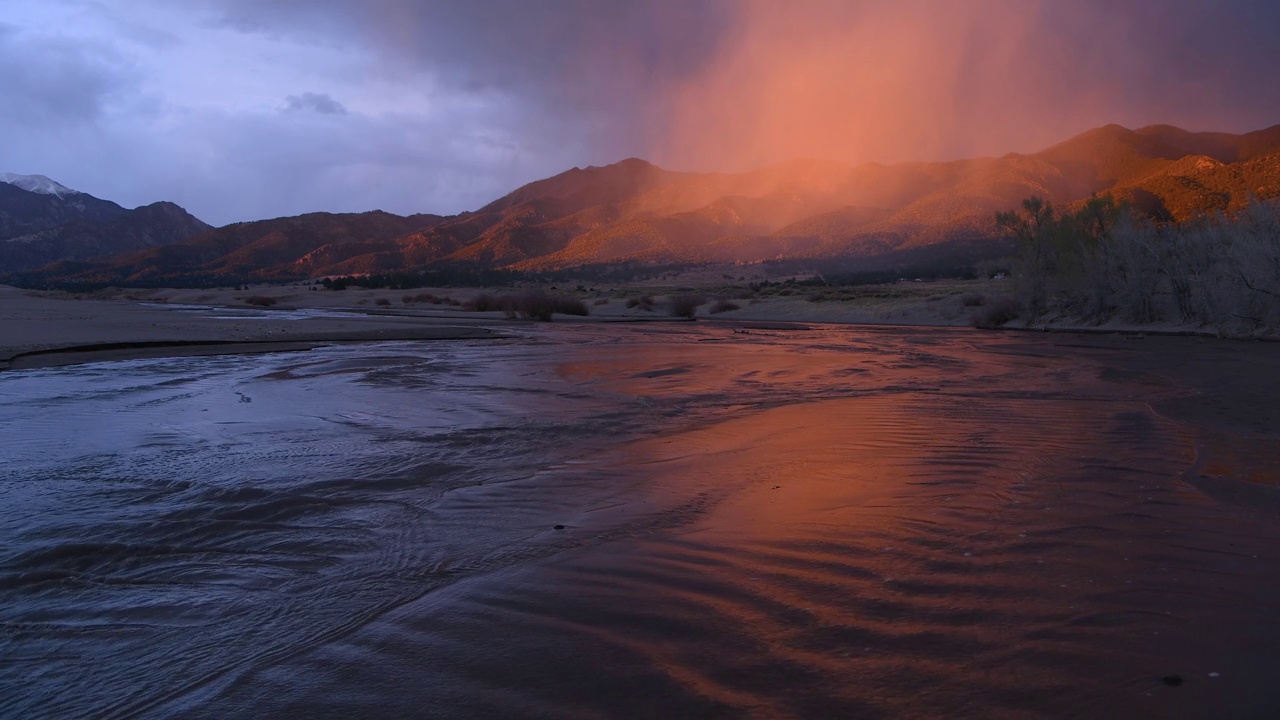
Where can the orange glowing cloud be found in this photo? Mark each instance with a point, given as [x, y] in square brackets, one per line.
[881, 81]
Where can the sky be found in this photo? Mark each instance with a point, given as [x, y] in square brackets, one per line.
[247, 109]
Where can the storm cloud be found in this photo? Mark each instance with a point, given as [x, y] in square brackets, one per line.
[242, 109]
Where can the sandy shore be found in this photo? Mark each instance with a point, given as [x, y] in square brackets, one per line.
[52, 328]
[40, 330]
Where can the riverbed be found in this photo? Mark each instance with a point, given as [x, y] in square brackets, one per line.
[651, 520]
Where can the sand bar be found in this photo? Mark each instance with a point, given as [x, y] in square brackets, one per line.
[41, 331]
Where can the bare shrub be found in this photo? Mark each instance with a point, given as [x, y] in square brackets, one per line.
[644, 302]
[382, 302]
[685, 306]
[1137, 250]
[1219, 271]
[972, 300]
[540, 306]
[260, 300]
[1256, 255]
[534, 305]
[996, 313]
[431, 298]
[484, 302]
[601, 301]
[724, 305]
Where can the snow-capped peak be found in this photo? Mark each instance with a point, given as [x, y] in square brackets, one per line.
[38, 184]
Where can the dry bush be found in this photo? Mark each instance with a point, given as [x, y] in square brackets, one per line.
[540, 306]
[685, 306]
[724, 305]
[1221, 272]
[484, 302]
[972, 300]
[534, 305]
[260, 300]
[601, 301]
[996, 313]
[644, 302]
[382, 302]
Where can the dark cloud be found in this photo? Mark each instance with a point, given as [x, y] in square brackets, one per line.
[314, 102]
[50, 79]
[600, 67]
[610, 71]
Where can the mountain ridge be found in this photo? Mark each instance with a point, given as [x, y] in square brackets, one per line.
[636, 213]
[43, 221]
[41, 184]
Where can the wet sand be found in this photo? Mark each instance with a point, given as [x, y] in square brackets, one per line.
[43, 330]
[820, 522]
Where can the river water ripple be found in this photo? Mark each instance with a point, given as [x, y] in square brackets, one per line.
[808, 522]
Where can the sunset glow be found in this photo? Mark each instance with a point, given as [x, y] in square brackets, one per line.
[775, 359]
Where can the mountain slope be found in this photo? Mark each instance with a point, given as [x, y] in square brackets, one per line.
[23, 211]
[824, 209]
[635, 212]
[1199, 184]
[38, 184]
[148, 226]
[43, 221]
[289, 247]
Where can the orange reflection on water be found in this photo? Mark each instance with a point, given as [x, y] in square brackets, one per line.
[949, 517]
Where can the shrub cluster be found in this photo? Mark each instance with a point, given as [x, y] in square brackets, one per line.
[529, 305]
[724, 305]
[996, 313]
[1103, 261]
[429, 298]
[260, 300]
[644, 302]
[685, 306]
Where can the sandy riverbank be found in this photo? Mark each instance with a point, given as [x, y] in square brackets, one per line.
[52, 328]
[44, 329]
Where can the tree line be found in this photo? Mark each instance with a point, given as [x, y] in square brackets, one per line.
[1104, 261]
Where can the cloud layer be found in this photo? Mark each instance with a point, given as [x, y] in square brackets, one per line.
[242, 109]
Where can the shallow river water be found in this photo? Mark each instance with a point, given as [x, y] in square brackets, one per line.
[646, 520]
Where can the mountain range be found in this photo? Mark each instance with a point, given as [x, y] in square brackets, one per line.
[634, 213]
[42, 221]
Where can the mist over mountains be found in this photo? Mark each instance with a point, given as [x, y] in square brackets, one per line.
[634, 213]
